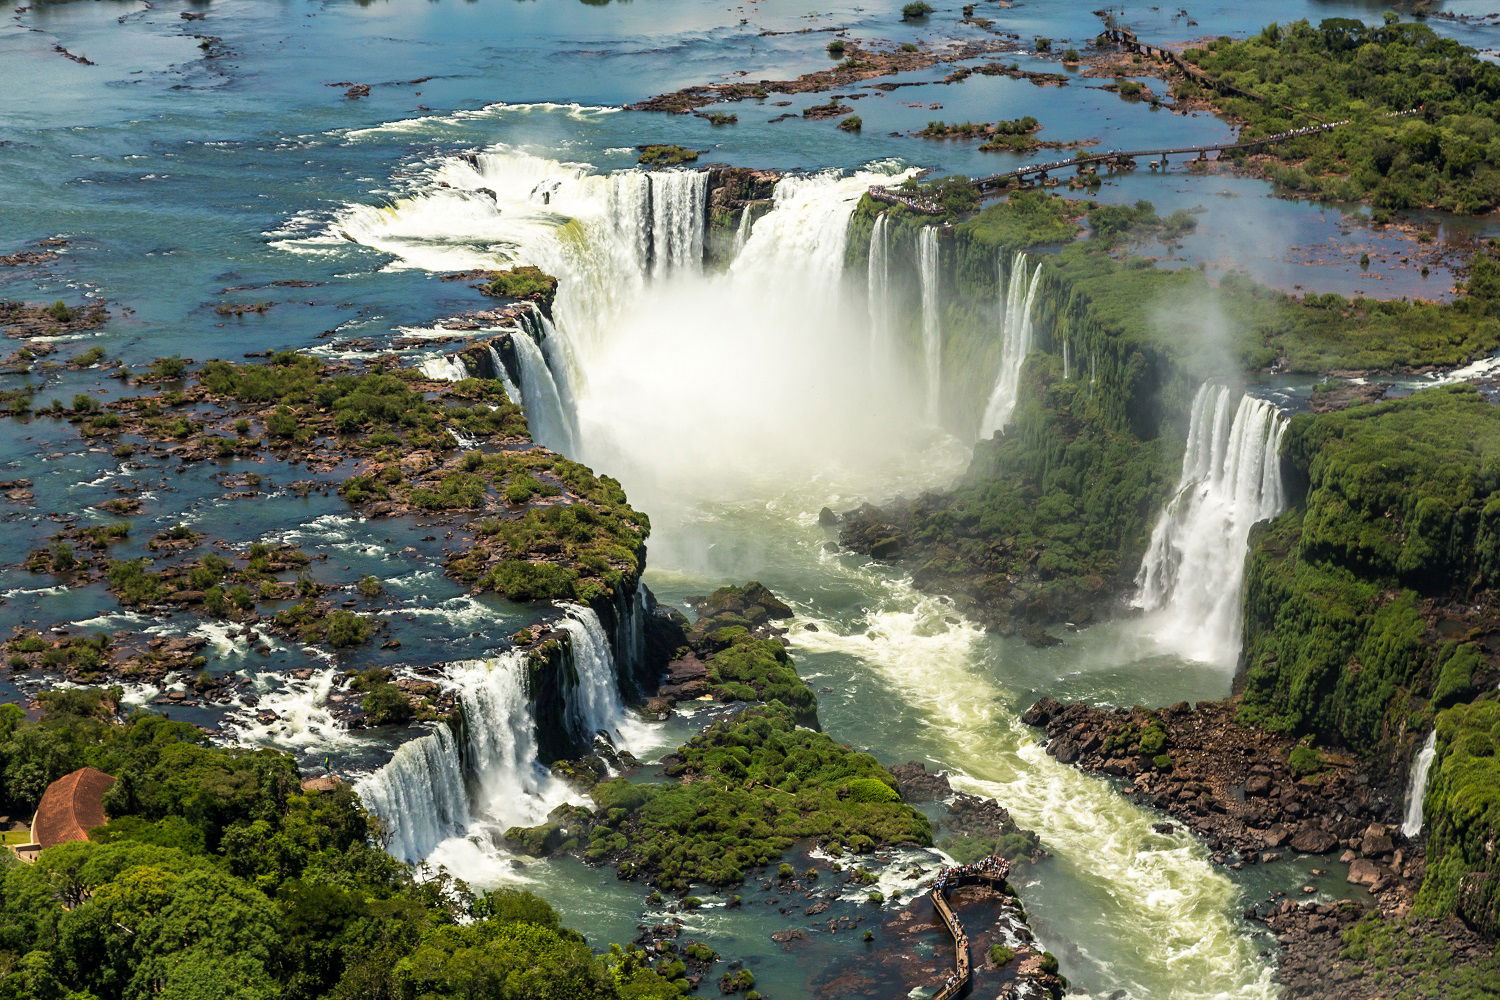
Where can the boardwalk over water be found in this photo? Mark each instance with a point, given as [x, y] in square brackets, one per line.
[1124, 159]
[958, 983]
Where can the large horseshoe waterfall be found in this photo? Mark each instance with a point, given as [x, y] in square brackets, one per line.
[670, 358]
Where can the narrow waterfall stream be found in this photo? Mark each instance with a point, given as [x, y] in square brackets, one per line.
[882, 349]
[929, 276]
[1191, 576]
[669, 368]
[1416, 789]
[1017, 295]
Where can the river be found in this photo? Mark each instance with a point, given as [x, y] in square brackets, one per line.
[734, 405]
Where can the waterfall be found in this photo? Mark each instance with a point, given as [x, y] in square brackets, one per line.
[742, 232]
[1067, 359]
[932, 331]
[560, 363]
[596, 705]
[650, 345]
[1018, 293]
[1416, 789]
[512, 391]
[549, 416]
[678, 201]
[511, 787]
[419, 795]
[882, 349]
[443, 368]
[1231, 478]
[628, 201]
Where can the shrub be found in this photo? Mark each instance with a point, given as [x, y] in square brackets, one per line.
[914, 10]
[345, 628]
[167, 368]
[851, 124]
[665, 155]
[1304, 761]
[999, 954]
[836, 48]
[386, 704]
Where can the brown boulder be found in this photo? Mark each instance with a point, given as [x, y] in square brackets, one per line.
[1313, 840]
[1363, 871]
[1376, 842]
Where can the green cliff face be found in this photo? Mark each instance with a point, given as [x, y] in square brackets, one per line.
[1364, 610]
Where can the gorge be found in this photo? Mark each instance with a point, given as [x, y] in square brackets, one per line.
[524, 502]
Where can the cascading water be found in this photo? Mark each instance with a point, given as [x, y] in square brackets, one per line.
[882, 349]
[1015, 341]
[596, 706]
[1191, 575]
[512, 391]
[707, 394]
[742, 231]
[932, 328]
[443, 368]
[419, 795]
[511, 787]
[1416, 789]
[549, 415]
[679, 199]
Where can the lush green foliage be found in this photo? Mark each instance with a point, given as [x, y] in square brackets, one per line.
[1399, 507]
[1447, 157]
[756, 784]
[666, 155]
[217, 877]
[307, 401]
[1462, 812]
[526, 282]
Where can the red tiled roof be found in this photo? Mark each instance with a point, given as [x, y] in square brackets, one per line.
[70, 806]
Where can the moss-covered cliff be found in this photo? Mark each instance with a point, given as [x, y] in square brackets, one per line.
[1370, 607]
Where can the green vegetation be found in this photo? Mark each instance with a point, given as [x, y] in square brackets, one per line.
[665, 155]
[313, 622]
[750, 669]
[1447, 157]
[836, 48]
[167, 368]
[576, 551]
[384, 703]
[1348, 606]
[915, 9]
[525, 283]
[217, 877]
[303, 399]
[754, 784]
[1399, 509]
[1462, 811]
[999, 954]
[852, 124]
[1407, 962]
